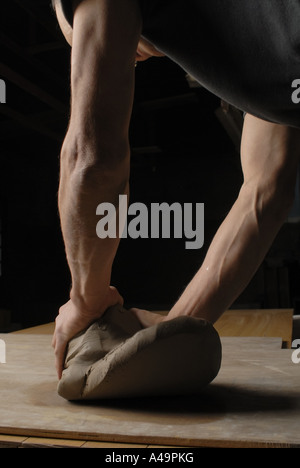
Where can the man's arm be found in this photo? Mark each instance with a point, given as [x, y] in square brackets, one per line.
[270, 156]
[95, 157]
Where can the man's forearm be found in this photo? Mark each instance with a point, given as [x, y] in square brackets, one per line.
[95, 154]
[232, 259]
[270, 156]
[95, 158]
[90, 259]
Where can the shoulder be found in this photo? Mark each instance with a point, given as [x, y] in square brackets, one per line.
[65, 26]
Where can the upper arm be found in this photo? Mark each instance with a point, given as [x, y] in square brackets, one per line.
[63, 23]
[269, 153]
[104, 43]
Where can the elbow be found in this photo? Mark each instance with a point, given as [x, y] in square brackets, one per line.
[272, 199]
[93, 162]
[280, 196]
[279, 204]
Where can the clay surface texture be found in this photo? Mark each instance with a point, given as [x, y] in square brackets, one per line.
[116, 358]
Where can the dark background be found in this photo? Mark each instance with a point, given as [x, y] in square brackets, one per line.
[184, 149]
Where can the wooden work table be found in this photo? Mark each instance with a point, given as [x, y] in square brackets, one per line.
[248, 323]
[253, 402]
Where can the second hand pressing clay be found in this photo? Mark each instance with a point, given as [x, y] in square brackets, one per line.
[116, 358]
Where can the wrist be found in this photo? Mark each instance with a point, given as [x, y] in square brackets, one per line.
[95, 306]
[89, 305]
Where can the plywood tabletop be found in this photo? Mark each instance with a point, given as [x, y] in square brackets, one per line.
[254, 402]
[257, 322]
[246, 363]
[247, 323]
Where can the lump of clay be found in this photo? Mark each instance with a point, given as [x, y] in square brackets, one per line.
[116, 358]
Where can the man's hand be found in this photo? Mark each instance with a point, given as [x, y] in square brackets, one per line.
[147, 319]
[146, 50]
[71, 321]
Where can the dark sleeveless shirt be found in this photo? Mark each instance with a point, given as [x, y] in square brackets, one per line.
[247, 52]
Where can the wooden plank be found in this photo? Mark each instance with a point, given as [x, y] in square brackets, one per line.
[164, 446]
[10, 441]
[40, 442]
[24, 54]
[247, 323]
[264, 322]
[32, 89]
[94, 444]
[30, 122]
[231, 343]
[48, 118]
[254, 402]
[46, 329]
[42, 16]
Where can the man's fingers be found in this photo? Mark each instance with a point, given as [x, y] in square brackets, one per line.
[146, 318]
[121, 300]
[116, 297]
[70, 321]
[60, 352]
[59, 365]
[147, 50]
[53, 342]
